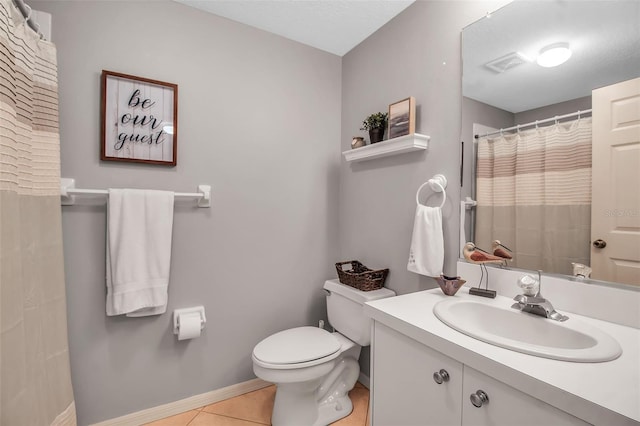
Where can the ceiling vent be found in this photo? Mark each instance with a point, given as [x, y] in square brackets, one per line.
[507, 62]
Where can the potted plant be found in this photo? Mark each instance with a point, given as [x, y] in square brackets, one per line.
[376, 124]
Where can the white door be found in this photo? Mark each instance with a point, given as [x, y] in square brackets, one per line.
[615, 209]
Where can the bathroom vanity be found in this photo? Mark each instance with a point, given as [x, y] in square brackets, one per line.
[425, 372]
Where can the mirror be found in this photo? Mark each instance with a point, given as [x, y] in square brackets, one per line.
[503, 87]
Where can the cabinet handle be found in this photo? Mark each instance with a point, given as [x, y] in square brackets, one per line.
[441, 376]
[479, 398]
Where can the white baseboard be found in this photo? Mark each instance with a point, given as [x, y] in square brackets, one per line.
[364, 379]
[193, 402]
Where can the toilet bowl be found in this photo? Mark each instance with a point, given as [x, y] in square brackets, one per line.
[313, 369]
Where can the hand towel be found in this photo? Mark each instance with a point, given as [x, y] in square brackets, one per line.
[426, 256]
[139, 228]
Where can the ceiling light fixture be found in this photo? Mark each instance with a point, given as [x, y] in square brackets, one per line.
[554, 55]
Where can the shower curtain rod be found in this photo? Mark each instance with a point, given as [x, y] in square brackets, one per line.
[535, 123]
[26, 10]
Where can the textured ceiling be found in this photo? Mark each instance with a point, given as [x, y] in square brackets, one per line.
[604, 37]
[335, 26]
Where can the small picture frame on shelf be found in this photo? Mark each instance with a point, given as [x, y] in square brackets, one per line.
[402, 118]
[139, 120]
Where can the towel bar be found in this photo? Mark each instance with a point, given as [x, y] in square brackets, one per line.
[68, 191]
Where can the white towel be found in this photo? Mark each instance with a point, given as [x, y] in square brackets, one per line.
[139, 227]
[426, 256]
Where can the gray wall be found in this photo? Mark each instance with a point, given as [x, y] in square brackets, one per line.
[561, 108]
[286, 206]
[416, 54]
[259, 120]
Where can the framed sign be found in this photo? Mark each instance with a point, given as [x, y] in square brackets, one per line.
[139, 120]
[402, 118]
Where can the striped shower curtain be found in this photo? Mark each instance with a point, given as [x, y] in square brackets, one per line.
[534, 195]
[35, 381]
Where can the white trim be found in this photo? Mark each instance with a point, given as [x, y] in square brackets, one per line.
[180, 406]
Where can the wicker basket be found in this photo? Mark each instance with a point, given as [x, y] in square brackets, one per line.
[361, 277]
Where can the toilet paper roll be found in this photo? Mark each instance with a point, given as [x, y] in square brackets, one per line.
[189, 326]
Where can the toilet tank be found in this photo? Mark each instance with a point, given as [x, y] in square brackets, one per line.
[345, 313]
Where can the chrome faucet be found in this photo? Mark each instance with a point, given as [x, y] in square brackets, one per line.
[536, 304]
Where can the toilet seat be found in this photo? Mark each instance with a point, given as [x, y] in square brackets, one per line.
[296, 348]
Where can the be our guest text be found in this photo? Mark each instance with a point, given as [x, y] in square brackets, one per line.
[140, 121]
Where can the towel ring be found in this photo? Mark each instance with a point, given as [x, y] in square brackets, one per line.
[437, 183]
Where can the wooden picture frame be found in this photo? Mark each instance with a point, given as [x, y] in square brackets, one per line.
[139, 120]
[402, 118]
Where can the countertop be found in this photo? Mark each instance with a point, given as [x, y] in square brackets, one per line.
[605, 393]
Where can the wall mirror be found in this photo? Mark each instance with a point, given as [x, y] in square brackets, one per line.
[532, 165]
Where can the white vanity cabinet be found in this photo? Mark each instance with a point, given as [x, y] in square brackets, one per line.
[405, 391]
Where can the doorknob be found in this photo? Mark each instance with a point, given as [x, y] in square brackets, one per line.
[599, 243]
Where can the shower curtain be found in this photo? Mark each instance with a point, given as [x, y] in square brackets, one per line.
[35, 381]
[534, 195]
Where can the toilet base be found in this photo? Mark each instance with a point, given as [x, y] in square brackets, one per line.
[295, 405]
[333, 411]
[326, 413]
[317, 403]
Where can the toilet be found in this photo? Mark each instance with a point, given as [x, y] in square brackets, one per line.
[314, 369]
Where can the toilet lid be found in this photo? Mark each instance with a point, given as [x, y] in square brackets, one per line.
[296, 345]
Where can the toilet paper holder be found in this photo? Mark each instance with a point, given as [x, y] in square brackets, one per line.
[195, 309]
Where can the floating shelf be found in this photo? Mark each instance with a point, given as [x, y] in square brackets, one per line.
[402, 144]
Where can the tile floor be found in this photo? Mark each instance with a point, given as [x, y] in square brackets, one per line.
[254, 409]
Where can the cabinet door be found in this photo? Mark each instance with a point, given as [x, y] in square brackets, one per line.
[404, 390]
[507, 406]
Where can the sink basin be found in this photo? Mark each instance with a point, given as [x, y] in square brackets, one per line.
[496, 323]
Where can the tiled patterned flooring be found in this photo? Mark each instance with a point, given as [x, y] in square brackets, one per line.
[254, 408]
